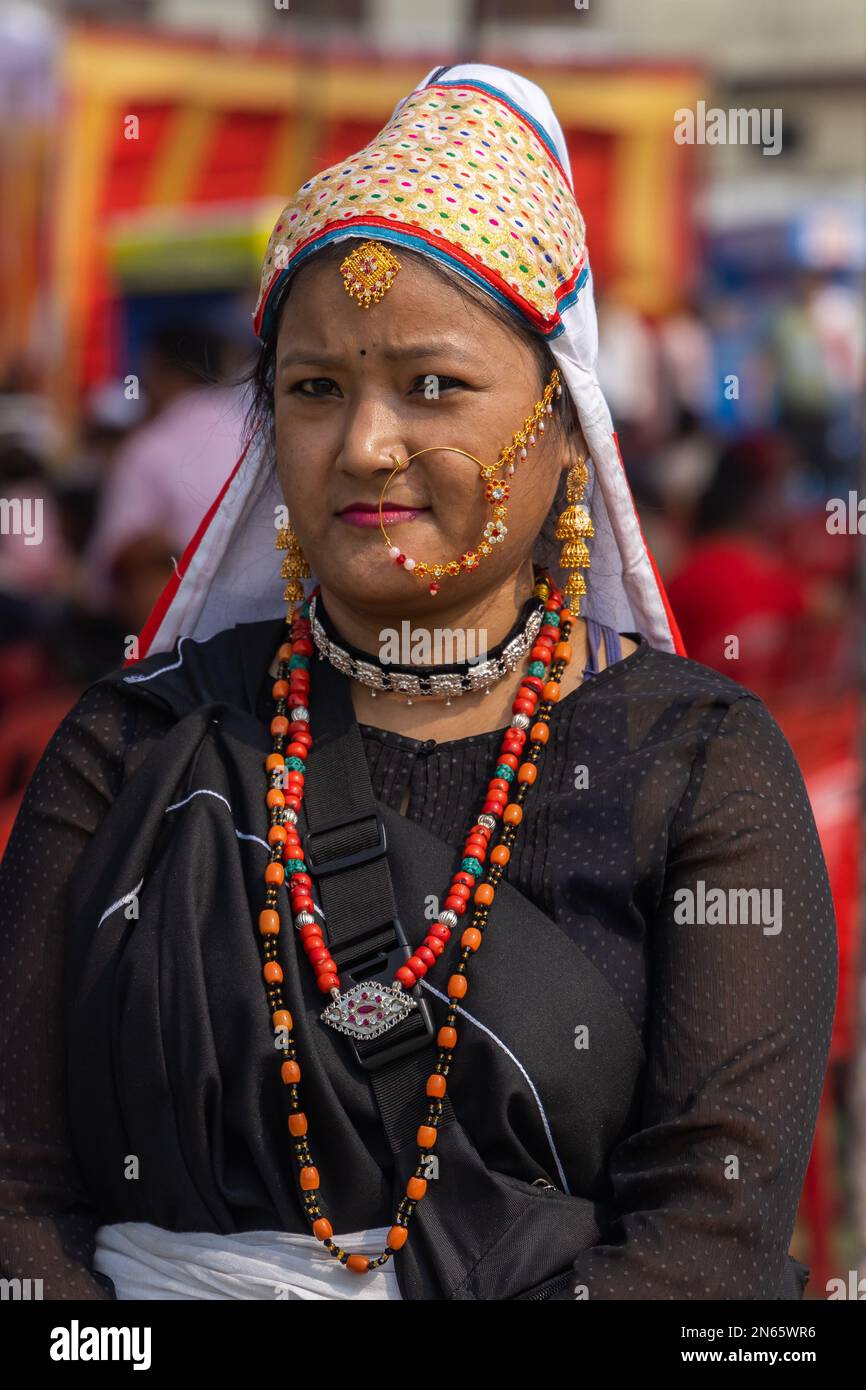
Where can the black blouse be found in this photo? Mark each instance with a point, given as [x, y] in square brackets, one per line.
[659, 773]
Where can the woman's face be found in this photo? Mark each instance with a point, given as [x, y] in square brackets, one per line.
[353, 386]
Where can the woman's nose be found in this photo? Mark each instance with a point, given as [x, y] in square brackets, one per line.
[372, 441]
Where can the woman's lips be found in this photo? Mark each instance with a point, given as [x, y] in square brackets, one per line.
[369, 516]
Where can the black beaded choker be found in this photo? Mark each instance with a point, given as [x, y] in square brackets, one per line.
[417, 680]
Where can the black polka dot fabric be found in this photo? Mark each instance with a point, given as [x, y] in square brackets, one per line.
[669, 835]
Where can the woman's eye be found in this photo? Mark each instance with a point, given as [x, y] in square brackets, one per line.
[315, 381]
[432, 384]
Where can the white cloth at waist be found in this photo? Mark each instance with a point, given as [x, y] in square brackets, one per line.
[145, 1261]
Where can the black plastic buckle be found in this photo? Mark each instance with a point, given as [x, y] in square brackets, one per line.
[381, 967]
[345, 861]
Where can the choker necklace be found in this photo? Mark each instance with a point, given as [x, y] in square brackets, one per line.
[417, 681]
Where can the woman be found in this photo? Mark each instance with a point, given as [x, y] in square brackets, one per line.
[512, 1052]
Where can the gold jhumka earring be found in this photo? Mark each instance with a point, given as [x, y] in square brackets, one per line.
[575, 528]
[294, 567]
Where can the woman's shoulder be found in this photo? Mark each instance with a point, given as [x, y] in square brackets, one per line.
[117, 717]
[674, 700]
[661, 674]
[227, 666]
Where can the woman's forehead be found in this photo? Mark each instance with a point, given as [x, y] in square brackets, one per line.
[421, 313]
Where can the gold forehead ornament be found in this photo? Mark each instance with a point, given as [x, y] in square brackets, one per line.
[368, 272]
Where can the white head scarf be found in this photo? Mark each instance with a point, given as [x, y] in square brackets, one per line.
[229, 571]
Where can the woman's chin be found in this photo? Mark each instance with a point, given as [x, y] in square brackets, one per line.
[360, 571]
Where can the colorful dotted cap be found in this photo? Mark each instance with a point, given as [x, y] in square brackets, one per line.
[472, 170]
[458, 174]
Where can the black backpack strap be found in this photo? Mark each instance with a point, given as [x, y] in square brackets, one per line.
[345, 849]
[481, 1235]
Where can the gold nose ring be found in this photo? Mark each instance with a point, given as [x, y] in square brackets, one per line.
[496, 492]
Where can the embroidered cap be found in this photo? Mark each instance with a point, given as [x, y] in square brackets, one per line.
[460, 173]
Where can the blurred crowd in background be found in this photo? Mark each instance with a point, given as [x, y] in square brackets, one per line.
[734, 370]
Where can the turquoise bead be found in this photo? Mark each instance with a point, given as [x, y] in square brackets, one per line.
[471, 866]
[296, 764]
[296, 866]
[298, 661]
[537, 668]
[503, 770]
[552, 619]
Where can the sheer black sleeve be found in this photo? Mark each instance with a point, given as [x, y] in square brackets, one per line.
[741, 1010]
[47, 1225]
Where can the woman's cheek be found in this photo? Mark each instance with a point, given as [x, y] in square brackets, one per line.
[460, 500]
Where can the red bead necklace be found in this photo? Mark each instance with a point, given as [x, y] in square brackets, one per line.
[538, 691]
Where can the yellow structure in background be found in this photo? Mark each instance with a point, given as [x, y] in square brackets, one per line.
[108, 76]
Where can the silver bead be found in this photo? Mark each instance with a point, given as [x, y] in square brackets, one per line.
[448, 918]
[487, 820]
[301, 713]
[304, 919]
[290, 817]
[520, 721]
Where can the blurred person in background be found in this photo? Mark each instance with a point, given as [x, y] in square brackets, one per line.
[816, 341]
[34, 561]
[628, 370]
[166, 474]
[734, 581]
[108, 417]
[686, 358]
[679, 474]
[742, 370]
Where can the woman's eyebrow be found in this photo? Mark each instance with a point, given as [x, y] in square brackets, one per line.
[395, 353]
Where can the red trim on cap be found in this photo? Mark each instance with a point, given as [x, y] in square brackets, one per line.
[679, 644]
[158, 612]
[472, 263]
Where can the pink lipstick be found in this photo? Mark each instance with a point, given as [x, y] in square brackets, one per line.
[367, 514]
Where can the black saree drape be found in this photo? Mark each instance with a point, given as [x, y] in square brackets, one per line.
[176, 1104]
[172, 1071]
